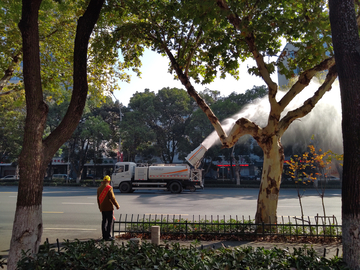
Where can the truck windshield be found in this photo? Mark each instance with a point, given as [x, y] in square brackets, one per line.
[119, 168]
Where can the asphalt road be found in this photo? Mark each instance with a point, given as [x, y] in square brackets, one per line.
[72, 212]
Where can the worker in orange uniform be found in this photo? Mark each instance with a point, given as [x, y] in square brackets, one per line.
[106, 201]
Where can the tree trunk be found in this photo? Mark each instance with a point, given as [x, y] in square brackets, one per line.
[37, 153]
[77, 162]
[267, 137]
[270, 181]
[237, 172]
[323, 206]
[301, 207]
[346, 42]
[27, 227]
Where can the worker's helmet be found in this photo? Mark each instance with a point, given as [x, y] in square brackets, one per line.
[107, 178]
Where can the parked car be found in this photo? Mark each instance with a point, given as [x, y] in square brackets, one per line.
[9, 177]
[327, 178]
[249, 177]
[62, 177]
[332, 178]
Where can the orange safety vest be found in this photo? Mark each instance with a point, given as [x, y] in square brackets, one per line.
[104, 193]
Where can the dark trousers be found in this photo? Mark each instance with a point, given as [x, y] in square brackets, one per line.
[107, 222]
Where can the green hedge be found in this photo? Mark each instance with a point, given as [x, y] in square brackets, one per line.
[104, 255]
[256, 184]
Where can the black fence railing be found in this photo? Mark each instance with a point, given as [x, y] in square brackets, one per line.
[228, 228]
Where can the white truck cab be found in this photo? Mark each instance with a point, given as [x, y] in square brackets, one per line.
[124, 171]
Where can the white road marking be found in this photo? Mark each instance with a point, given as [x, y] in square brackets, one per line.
[75, 203]
[72, 229]
[51, 212]
[153, 214]
[61, 191]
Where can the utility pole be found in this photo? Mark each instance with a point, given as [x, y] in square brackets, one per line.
[68, 163]
[120, 115]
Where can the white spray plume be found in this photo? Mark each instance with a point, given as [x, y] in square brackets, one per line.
[324, 121]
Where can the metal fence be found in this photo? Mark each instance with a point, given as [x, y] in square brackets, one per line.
[228, 227]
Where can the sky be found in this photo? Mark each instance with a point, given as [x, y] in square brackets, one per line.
[155, 76]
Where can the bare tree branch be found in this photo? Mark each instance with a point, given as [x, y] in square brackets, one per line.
[310, 103]
[186, 39]
[9, 72]
[242, 127]
[71, 119]
[357, 2]
[264, 72]
[16, 59]
[9, 92]
[250, 40]
[191, 54]
[304, 81]
[199, 100]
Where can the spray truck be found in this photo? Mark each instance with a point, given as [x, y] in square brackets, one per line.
[130, 176]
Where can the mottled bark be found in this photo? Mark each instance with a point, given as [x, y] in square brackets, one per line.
[310, 103]
[269, 137]
[270, 180]
[346, 43]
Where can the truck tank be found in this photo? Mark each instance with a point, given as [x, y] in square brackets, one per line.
[165, 171]
[196, 155]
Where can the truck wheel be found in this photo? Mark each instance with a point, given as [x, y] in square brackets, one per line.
[175, 187]
[125, 187]
[192, 188]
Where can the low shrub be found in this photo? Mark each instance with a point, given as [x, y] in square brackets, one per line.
[232, 229]
[105, 255]
[198, 226]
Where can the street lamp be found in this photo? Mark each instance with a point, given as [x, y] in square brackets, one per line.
[120, 115]
[68, 163]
